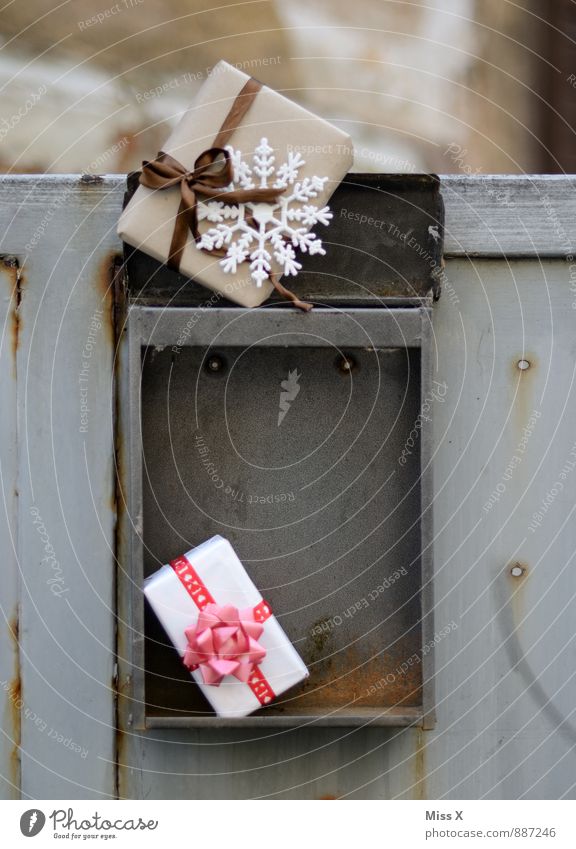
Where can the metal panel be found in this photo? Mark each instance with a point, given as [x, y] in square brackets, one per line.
[374, 408]
[486, 215]
[274, 327]
[286, 516]
[504, 681]
[60, 232]
[10, 682]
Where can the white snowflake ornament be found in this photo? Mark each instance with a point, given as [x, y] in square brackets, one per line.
[261, 232]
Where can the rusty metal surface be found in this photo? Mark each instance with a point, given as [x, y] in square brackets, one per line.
[384, 244]
[15, 276]
[57, 524]
[339, 559]
[504, 677]
[10, 673]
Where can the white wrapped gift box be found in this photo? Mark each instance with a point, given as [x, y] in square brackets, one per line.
[217, 566]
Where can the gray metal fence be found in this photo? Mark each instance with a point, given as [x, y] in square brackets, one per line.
[503, 455]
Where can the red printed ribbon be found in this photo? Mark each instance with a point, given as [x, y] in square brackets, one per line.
[192, 582]
[224, 640]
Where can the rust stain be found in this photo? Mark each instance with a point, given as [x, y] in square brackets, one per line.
[329, 796]
[524, 366]
[420, 765]
[91, 179]
[127, 143]
[347, 678]
[517, 583]
[340, 680]
[15, 703]
[16, 282]
[522, 386]
[123, 686]
[105, 284]
[120, 550]
[320, 634]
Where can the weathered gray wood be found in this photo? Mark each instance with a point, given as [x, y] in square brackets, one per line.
[62, 232]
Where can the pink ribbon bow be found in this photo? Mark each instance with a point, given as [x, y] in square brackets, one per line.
[224, 641]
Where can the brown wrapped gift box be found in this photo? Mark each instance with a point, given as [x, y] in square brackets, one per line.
[148, 221]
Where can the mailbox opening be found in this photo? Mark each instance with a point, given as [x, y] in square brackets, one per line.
[304, 445]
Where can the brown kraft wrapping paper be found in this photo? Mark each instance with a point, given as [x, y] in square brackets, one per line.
[148, 221]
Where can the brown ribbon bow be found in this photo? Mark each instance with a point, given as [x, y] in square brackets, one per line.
[211, 176]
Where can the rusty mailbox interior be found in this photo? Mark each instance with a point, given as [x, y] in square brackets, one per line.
[326, 499]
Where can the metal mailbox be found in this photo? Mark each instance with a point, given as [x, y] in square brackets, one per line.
[301, 439]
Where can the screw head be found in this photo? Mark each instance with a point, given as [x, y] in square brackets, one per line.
[517, 570]
[523, 365]
[214, 363]
[346, 364]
